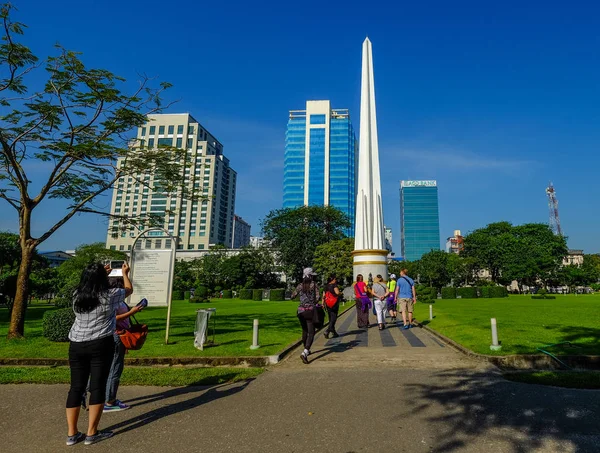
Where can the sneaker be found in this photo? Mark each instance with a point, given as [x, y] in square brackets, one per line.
[304, 358]
[326, 335]
[72, 440]
[406, 326]
[118, 406]
[100, 435]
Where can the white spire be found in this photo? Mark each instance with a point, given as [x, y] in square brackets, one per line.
[369, 232]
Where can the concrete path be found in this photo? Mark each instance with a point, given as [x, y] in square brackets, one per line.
[356, 395]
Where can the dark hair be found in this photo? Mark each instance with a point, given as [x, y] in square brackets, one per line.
[116, 282]
[306, 284]
[93, 283]
[359, 278]
[379, 276]
[331, 278]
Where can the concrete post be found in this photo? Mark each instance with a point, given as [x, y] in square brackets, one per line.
[431, 312]
[255, 344]
[495, 343]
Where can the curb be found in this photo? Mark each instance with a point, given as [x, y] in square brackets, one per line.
[522, 362]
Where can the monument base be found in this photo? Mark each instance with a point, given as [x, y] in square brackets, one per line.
[372, 262]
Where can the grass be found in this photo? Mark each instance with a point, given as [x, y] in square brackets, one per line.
[568, 379]
[158, 376]
[523, 324]
[279, 327]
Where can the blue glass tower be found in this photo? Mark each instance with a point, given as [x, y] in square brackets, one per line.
[320, 159]
[419, 218]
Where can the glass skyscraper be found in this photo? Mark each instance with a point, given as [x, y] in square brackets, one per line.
[320, 159]
[419, 218]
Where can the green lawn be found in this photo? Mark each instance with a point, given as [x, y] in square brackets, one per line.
[523, 324]
[568, 379]
[278, 328]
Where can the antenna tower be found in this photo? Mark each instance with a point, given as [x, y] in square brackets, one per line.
[553, 210]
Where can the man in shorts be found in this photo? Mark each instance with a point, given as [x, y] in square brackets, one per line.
[406, 296]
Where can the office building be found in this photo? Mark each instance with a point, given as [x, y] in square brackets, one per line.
[388, 238]
[455, 244]
[197, 225]
[419, 218]
[320, 159]
[241, 233]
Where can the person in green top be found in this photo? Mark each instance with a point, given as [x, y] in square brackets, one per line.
[391, 300]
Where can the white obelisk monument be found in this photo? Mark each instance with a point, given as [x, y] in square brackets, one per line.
[370, 255]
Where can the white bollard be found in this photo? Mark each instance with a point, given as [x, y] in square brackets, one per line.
[255, 344]
[495, 344]
[431, 312]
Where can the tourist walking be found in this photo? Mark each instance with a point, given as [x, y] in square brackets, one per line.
[405, 294]
[331, 300]
[380, 293]
[363, 302]
[307, 310]
[391, 299]
[92, 347]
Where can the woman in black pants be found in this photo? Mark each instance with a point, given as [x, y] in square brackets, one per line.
[331, 298]
[307, 310]
[92, 346]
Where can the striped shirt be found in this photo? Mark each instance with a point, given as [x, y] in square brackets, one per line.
[101, 321]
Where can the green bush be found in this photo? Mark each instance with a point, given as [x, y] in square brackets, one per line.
[186, 295]
[486, 291]
[595, 286]
[498, 291]
[177, 295]
[257, 294]
[245, 294]
[425, 293]
[542, 292]
[545, 296]
[448, 293]
[57, 323]
[277, 294]
[201, 292]
[469, 292]
[227, 294]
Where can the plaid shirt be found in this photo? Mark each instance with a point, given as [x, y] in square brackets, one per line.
[101, 321]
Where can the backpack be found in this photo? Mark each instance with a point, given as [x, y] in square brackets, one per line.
[330, 299]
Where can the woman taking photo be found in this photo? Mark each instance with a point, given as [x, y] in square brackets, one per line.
[307, 310]
[363, 303]
[331, 298]
[92, 347]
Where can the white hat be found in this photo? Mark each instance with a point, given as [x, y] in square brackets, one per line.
[307, 272]
[392, 276]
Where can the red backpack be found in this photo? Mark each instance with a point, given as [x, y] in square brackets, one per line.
[330, 299]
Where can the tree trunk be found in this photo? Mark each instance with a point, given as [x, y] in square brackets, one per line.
[17, 319]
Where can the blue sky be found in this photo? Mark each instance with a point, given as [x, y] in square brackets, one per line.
[493, 101]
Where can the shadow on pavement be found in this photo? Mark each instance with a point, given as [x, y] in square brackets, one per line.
[198, 396]
[482, 405]
[334, 349]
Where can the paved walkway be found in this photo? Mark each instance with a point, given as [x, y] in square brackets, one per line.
[360, 393]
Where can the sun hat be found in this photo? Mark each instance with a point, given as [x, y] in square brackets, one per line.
[307, 272]
[393, 276]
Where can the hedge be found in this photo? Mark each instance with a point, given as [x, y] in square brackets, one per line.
[469, 292]
[186, 295]
[177, 295]
[486, 291]
[277, 294]
[257, 294]
[198, 300]
[543, 297]
[245, 294]
[56, 324]
[227, 294]
[498, 291]
[201, 292]
[449, 293]
[425, 293]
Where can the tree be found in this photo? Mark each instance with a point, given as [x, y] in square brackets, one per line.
[461, 270]
[335, 258]
[296, 233]
[433, 268]
[489, 247]
[258, 267]
[76, 125]
[412, 268]
[10, 252]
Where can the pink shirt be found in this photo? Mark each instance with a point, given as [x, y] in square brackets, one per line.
[123, 323]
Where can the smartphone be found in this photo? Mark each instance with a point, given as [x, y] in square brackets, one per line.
[143, 303]
[116, 264]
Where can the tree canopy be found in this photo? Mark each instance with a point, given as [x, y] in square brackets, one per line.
[335, 258]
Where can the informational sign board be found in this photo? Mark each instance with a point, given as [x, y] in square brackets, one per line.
[152, 276]
[418, 183]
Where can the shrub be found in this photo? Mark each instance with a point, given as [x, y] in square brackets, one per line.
[57, 323]
[469, 292]
[542, 292]
[257, 294]
[486, 291]
[448, 293]
[545, 296]
[498, 291]
[425, 293]
[177, 295]
[277, 294]
[595, 286]
[201, 292]
[227, 294]
[245, 294]
[186, 295]
[198, 300]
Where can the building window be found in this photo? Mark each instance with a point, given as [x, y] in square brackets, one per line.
[200, 246]
[190, 142]
[190, 130]
[317, 119]
[152, 130]
[161, 130]
[121, 247]
[171, 130]
[150, 143]
[180, 129]
[165, 142]
[158, 244]
[143, 132]
[191, 247]
[178, 143]
[113, 247]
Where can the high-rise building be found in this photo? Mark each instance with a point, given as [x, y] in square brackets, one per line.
[241, 233]
[320, 159]
[419, 218]
[456, 243]
[197, 225]
[388, 238]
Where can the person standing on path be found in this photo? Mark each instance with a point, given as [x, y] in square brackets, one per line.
[380, 293]
[92, 347]
[405, 294]
[363, 303]
[331, 299]
[391, 299]
[307, 310]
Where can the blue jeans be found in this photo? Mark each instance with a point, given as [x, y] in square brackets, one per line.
[116, 369]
